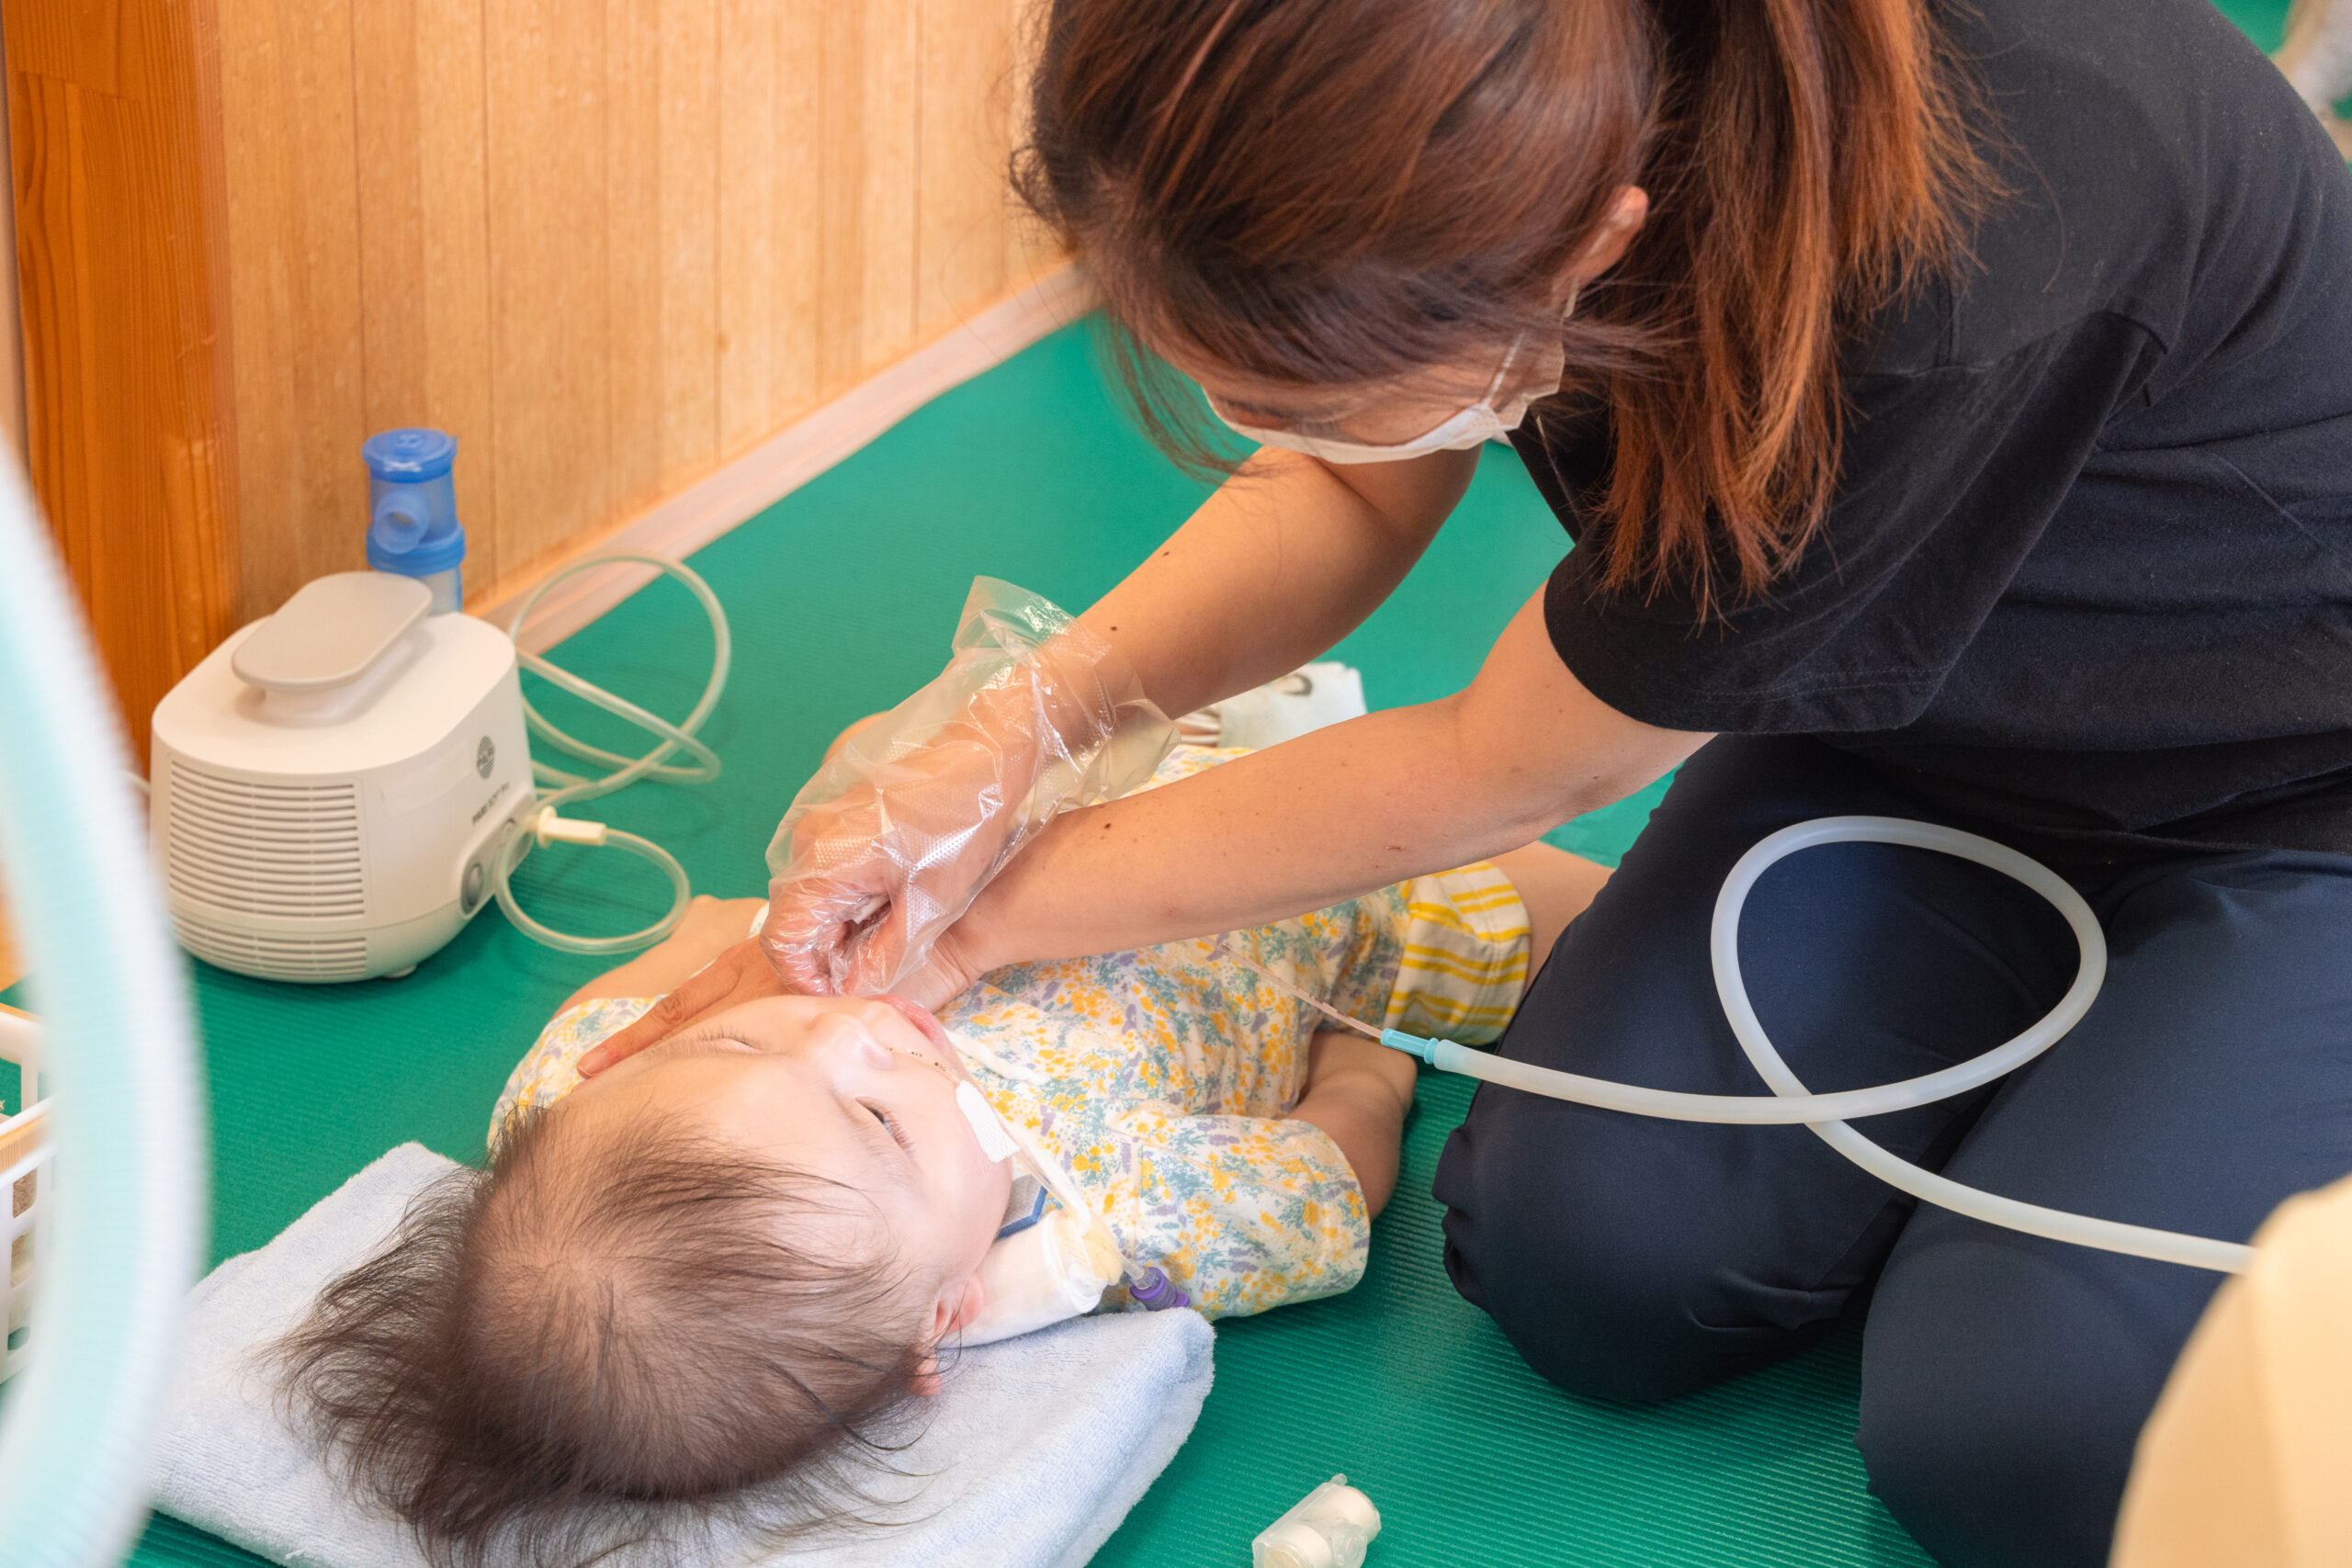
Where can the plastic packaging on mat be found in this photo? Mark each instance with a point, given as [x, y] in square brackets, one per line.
[1329, 1527]
[909, 817]
[1304, 700]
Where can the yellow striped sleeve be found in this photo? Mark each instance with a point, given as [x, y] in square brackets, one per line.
[1465, 955]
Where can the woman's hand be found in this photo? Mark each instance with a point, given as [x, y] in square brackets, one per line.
[871, 874]
[708, 928]
[952, 969]
[739, 974]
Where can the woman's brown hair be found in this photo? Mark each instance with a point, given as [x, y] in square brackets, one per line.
[1344, 192]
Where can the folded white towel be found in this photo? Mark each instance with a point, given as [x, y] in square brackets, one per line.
[1035, 1451]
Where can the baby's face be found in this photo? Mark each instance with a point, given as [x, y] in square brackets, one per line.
[861, 1091]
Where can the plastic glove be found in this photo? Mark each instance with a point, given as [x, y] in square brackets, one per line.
[912, 814]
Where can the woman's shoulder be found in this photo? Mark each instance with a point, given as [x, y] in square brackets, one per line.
[2150, 159]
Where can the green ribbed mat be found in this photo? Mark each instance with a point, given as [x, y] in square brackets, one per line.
[1472, 1459]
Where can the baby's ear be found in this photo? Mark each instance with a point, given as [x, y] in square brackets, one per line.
[958, 1304]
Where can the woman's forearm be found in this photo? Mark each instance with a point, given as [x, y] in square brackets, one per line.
[1298, 827]
[1326, 817]
[1287, 558]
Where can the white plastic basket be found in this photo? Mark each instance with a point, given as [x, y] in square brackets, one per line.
[24, 1186]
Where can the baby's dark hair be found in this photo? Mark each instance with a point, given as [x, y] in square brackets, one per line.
[598, 1341]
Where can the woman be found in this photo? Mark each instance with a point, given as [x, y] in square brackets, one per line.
[1952, 409]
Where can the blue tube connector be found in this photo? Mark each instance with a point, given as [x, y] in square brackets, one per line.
[1412, 1044]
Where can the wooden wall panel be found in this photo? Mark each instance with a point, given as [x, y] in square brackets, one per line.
[420, 197]
[889, 168]
[608, 243]
[761, 182]
[961, 224]
[294, 282]
[685, 229]
[12, 340]
[116, 154]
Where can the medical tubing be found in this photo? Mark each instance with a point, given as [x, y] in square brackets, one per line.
[125, 1235]
[1826, 1114]
[2138, 1241]
[574, 788]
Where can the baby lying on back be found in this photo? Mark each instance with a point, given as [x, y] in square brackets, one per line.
[737, 1257]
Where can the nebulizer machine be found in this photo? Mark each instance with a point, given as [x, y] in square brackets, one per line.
[340, 786]
[939, 837]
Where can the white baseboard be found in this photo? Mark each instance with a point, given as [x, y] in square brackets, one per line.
[795, 455]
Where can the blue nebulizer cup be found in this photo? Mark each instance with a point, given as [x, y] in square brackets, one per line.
[413, 529]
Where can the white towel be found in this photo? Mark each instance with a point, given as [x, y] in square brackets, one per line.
[1035, 1451]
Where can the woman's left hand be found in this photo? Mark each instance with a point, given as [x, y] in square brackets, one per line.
[739, 974]
[742, 974]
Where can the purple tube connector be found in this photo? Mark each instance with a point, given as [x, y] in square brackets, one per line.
[1154, 1292]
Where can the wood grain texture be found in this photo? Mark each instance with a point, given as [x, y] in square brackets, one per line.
[960, 220]
[12, 342]
[115, 154]
[890, 169]
[610, 244]
[607, 243]
[684, 227]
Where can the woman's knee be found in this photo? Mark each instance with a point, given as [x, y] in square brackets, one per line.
[2002, 1392]
[1604, 1282]
[1987, 1477]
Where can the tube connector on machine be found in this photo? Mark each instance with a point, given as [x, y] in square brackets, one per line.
[549, 829]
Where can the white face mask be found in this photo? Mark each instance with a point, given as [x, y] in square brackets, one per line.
[1481, 422]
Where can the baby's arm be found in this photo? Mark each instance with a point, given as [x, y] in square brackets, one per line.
[1358, 1092]
[710, 925]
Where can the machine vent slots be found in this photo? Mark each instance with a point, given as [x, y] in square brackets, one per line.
[265, 849]
[278, 957]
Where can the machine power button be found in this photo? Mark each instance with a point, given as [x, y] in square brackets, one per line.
[470, 889]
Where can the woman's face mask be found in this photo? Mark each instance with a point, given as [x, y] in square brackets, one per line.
[1526, 375]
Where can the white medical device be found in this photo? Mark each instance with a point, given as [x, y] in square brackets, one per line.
[1329, 1527]
[330, 786]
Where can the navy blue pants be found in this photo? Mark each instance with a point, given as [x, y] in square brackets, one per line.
[2004, 1378]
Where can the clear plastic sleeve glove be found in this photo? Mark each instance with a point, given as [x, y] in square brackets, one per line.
[915, 812]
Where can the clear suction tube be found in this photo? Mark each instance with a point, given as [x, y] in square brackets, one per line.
[546, 826]
[1827, 1114]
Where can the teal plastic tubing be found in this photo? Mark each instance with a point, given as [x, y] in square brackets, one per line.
[126, 1231]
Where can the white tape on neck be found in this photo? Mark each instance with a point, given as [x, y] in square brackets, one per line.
[995, 1142]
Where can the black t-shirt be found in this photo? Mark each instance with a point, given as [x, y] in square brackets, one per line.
[2088, 573]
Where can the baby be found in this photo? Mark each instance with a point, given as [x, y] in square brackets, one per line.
[737, 1257]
